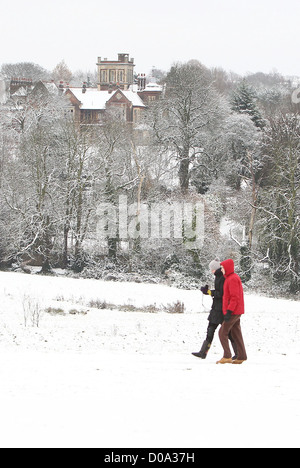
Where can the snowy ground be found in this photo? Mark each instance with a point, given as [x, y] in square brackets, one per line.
[110, 378]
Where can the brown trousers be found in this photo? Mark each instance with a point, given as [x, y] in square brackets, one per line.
[234, 328]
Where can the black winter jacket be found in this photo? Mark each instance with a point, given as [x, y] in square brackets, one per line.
[216, 315]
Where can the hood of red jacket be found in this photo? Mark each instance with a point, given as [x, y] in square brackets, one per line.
[228, 266]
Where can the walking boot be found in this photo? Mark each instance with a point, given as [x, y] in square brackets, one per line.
[225, 361]
[203, 351]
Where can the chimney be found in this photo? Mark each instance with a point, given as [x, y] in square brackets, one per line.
[141, 82]
[123, 58]
[84, 88]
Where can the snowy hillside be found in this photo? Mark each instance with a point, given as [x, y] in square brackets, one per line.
[89, 376]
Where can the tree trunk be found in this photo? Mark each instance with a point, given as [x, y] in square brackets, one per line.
[184, 174]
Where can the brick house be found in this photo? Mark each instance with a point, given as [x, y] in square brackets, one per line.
[149, 92]
[89, 104]
[116, 89]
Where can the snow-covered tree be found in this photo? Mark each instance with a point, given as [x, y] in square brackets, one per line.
[29, 187]
[191, 109]
[27, 70]
[280, 201]
[244, 102]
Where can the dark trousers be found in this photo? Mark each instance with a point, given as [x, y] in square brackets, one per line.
[233, 328]
[211, 329]
[211, 333]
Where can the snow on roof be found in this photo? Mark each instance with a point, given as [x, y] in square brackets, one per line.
[93, 99]
[153, 87]
[51, 87]
[22, 92]
[134, 98]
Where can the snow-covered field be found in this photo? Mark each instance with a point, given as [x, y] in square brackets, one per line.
[111, 378]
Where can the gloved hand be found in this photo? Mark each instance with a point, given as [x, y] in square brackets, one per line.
[205, 289]
[228, 316]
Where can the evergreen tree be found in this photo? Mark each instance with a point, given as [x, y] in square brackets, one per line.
[244, 102]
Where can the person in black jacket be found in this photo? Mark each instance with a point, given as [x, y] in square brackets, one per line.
[216, 316]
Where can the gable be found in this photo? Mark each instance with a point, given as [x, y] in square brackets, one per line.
[118, 98]
[126, 97]
[74, 100]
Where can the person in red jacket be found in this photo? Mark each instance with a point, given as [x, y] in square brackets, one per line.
[233, 309]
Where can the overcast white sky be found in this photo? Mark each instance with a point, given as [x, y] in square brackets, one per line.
[238, 35]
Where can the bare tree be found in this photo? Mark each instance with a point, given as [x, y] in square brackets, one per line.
[29, 185]
[119, 170]
[191, 109]
[280, 203]
[62, 72]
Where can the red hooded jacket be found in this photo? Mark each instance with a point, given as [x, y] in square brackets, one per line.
[233, 298]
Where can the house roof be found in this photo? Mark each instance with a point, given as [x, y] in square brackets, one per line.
[134, 98]
[51, 87]
[21, 92]
[93, 99]
[153, 87]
